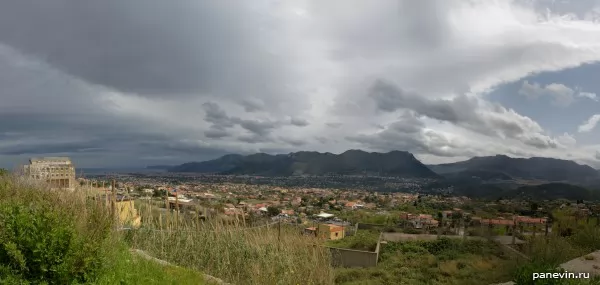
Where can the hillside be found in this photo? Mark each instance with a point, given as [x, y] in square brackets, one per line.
[159, 167]
[535, 168]
[552, 191]
[351, 162]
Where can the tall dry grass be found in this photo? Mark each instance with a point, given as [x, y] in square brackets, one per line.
[232, 251]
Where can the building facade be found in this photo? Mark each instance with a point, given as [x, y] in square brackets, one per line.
[58, 172]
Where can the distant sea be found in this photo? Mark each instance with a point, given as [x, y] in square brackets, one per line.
[101, 171]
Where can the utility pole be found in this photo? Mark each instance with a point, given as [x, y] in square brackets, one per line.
[114, 202]
[176, 208]
[167, 205]
[279, 233]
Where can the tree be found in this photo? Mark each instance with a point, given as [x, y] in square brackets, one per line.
[3, 172]
[159, 193]
[534, 206]
[273, 211]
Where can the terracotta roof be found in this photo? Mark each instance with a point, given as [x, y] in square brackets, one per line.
[497, 222]
[530, 220]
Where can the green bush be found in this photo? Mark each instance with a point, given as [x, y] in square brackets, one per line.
[43, 246]
[51, 237]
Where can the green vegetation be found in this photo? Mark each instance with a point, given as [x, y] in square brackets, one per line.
[132, 269]
[234, 253]
[362, 240]
[56, 237]
[443, 261]
[548, 253]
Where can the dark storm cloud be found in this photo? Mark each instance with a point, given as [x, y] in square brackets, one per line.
[189, 148]
[322, 140]
[334, 125]
[216, 115]
[293, 142]
[220, 121]
[390, 98]
[147, 46]
[251, 105]
[462, 111]
[51, 148]
[299, 122]
[253, 139]
[215, 133]
[261, 128]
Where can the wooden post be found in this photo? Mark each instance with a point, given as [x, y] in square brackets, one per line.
[176, 200]
[176, 208]
[514, 232]
[546, 228]
[114, 203]
[167, 205]
[534, 229]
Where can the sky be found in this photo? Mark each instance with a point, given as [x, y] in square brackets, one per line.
[149, 82]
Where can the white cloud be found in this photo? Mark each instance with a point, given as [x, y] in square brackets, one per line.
[567, 140]
[589, 95]
[561, 94]
[590, 124]
[305, 68]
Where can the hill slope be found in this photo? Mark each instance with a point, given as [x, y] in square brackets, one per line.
[538, 168]
[552, 191]
[352, 162]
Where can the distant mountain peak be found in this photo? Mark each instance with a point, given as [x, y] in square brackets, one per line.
[350, 162]
[536, 168]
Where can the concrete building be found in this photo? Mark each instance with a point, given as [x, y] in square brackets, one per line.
[58, 172]
[331, 232]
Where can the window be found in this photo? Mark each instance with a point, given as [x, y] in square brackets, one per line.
[336, 234]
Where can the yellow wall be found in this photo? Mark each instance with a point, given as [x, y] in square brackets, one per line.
[326, 233]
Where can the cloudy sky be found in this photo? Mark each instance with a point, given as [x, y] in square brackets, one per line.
[143, 82]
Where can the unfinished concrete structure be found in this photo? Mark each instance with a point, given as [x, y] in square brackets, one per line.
[58, 172]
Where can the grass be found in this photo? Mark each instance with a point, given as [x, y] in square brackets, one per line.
[57, 237]
[443, 261]
[363, 240]
[129, 268]
[75, 236]
[232, 251]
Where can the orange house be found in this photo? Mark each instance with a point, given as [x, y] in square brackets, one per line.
[331, 232]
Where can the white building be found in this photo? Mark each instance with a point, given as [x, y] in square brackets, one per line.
[59, 172]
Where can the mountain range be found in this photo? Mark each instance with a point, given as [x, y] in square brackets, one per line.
[502, 167]
[351, 162]
[396, 164]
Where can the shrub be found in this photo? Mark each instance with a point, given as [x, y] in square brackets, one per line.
[50, 237]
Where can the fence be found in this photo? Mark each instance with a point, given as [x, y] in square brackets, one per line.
[343, 257]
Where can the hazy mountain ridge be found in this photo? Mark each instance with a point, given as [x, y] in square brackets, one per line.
[351, 162]
[535, 168]
[551, 191]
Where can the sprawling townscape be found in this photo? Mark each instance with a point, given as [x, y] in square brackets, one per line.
[356, 217]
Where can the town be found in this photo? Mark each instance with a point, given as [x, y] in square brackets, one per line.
[358, 226]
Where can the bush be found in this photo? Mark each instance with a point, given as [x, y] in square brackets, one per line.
[46, 237]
